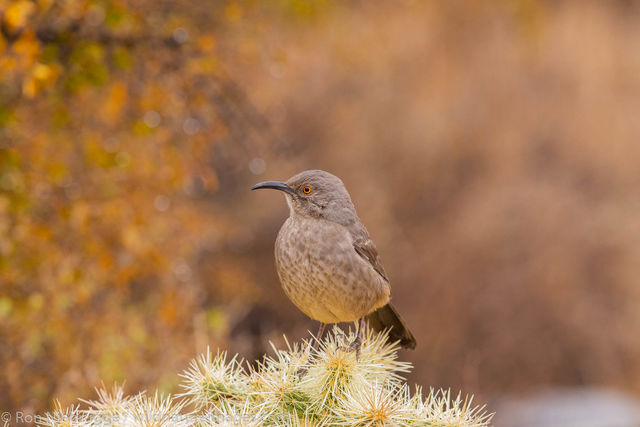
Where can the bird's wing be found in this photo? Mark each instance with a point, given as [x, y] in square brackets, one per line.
[367, 250]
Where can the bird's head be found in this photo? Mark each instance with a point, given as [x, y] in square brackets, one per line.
[315, 193]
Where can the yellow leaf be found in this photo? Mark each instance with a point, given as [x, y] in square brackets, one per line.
[80, 214]
[207, 43]
[17, 14]
[132, 240]
[36, 301]
[233, 12]
[29, 87]
[27, 47]
[42, 72]
[40, 76]
[116, 98]
[168, 308]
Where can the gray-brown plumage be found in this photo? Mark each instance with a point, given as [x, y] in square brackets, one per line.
[326, 261]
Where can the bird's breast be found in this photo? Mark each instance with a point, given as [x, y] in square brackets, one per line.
[323, 275]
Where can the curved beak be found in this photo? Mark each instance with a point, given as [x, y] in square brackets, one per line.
[275, 185]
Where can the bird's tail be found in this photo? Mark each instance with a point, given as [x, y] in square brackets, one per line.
[388, 318]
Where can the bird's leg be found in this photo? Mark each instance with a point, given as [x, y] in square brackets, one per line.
[314, 347]
[319, 335]
[356, 343]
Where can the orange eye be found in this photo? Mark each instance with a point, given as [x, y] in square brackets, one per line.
[306, 190]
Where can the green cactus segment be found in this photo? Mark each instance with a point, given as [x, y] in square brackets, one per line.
[216, 391]
[296, 402]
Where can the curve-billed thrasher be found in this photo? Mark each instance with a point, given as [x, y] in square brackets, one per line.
[327, 264]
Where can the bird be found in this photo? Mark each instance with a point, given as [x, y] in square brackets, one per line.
[327, 263]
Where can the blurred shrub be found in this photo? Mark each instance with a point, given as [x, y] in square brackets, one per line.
[110, 113]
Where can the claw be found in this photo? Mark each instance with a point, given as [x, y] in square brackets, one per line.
[302, 372]
[357, 343]
[353, 346]
[313, 348]
[343, 338]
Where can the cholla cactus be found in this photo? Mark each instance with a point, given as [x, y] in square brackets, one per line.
[335, 372]
[211, 379]
[159, 411]
[298, 386]
[66, 417]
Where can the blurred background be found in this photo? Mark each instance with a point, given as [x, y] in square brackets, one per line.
[491, 148]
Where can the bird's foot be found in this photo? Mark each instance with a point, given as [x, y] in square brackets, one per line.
[341, 335]
[302, 372]
[354, 346]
